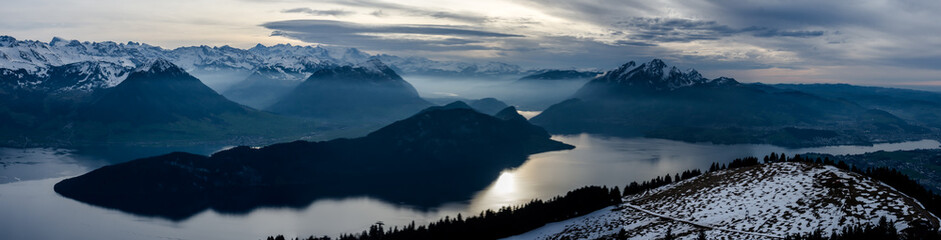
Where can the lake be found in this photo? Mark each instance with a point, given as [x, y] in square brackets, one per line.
[32, 210]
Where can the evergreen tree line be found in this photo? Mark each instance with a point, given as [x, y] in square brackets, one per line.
[635, 188]
[623, 235]
[881, 231]
[490, 224]
[884, 230]
[510, 221]
[737, 163]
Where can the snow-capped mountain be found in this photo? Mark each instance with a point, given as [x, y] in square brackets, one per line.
[657, 75]
[79, 76]
[368, 90]
[160, 92]
[207, 62]
[159, 65]
[767, 201]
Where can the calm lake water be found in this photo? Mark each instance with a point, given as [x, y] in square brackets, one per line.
[30, 209]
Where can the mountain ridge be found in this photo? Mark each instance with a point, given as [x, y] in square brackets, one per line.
[653, 100]
[33, 55]
[650, 76]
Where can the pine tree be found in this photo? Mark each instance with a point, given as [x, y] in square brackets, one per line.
[622, 235]
[669, 234]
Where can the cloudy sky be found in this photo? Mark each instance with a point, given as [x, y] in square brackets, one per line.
[895, 42]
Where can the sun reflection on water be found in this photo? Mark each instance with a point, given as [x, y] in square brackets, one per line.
[506, 183]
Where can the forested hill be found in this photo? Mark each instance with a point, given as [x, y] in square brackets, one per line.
[436, 156]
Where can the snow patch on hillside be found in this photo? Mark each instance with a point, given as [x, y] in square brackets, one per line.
[761, 202]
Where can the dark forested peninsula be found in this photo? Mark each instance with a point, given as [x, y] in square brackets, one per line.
[439, 155]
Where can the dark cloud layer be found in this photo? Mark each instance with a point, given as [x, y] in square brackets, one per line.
[652, 30]
[815, 33]
[335, 12]
[328, 27]
[384, 37]
[384, 8]
[716, 35]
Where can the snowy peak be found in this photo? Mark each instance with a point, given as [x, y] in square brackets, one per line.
[655, 75]
[56, 41]
[372, 69]
[161, 70]
[7, 41]
[654, 67]
[375, 65]
[624, 69]
[372, 72]
[724, 81]
[160, 65]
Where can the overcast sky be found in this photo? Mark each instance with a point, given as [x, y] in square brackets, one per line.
[895, 42]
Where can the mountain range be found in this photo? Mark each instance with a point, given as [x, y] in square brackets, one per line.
[220, 67]
[117, 93]
[656, 100]
[158, 103]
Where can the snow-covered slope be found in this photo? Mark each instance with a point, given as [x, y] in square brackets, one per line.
[762, 202]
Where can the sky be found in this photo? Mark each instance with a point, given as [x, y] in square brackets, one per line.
[885, 43]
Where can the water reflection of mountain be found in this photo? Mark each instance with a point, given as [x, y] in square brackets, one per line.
[440, 155]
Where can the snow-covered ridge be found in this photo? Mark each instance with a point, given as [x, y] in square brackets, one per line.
[374, 65]
[761, 202]
[33, 55]
[659, 76]
[80, 76]
[157, 65]
[216, 66]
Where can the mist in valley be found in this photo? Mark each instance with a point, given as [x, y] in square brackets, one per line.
[526, 95]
